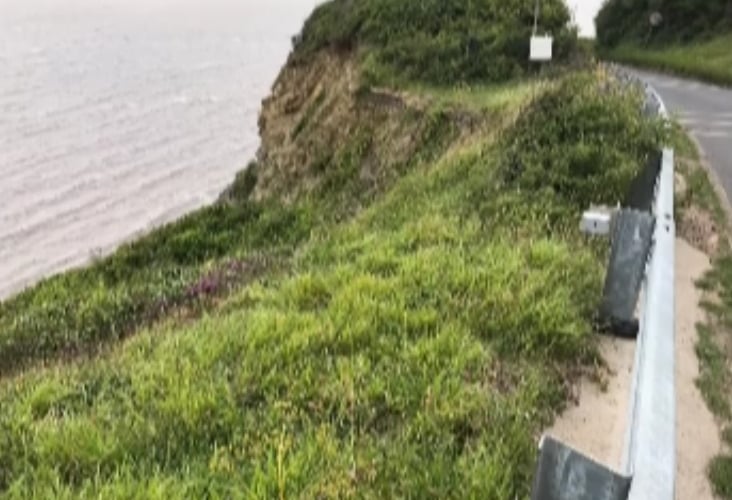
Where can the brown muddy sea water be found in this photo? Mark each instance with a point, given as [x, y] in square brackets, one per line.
[120, 115]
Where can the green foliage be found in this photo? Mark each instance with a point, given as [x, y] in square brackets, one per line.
[489, 99]
[709, 60]
[582, 141]
[701, 193]
[415, 358]
[438, 41]
[173, 266]
[628, 21]
[413, 350]
[720, 472]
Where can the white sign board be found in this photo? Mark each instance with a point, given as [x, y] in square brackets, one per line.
[541, 48]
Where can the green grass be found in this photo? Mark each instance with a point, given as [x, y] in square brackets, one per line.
[402, 358]
[182, 265]
[414, 349]
[479, 98]
[684, 146]
[721, 469]
[709, 60]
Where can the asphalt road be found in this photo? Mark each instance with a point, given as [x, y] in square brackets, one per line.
[706, 111]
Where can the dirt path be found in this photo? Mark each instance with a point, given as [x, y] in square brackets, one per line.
[697, 435]
[597, 425]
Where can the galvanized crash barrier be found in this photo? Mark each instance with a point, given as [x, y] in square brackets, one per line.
[642, 235]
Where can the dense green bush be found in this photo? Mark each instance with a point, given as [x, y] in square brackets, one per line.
[682, 21]
[583, 142]
[439, 41]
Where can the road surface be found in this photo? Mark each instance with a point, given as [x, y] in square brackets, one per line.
[706, 111]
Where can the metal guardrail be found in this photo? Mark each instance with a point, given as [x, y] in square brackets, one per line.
[650, 451]
[649, 463]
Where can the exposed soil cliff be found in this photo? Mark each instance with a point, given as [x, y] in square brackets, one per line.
[327, 135]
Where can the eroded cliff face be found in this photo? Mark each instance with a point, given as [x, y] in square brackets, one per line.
[308, 115]
[326, 135]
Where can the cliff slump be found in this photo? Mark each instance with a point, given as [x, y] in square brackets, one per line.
[328, 137]
[330, 131]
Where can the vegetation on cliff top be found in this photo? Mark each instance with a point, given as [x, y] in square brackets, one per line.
[438, 41]
[415, 349]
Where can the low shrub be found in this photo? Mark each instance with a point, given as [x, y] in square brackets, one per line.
[582, 141]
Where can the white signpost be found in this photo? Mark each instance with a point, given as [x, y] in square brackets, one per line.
[541, 48]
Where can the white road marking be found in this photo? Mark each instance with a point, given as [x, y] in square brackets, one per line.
[699, 114]
[714, 134]
[705, 122]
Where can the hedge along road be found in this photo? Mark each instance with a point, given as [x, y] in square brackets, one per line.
[706, 111]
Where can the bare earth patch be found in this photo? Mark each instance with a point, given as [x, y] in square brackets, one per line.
[597, 425]
[699, 229]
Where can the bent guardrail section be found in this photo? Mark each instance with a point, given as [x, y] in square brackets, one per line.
[650, 454]
[649, 462]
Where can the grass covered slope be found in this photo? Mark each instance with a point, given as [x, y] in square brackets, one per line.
[692, 39]
[392, 301]
[175, 270]
[415, 349]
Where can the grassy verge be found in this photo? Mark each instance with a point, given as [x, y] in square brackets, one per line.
[714, 344]
[714, 349]
[709, 60]
[415, 349]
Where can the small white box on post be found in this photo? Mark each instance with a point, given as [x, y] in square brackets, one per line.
[597, 221]
[541, 48]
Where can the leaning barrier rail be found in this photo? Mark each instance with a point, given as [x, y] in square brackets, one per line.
[642, 237]
[650, 451]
